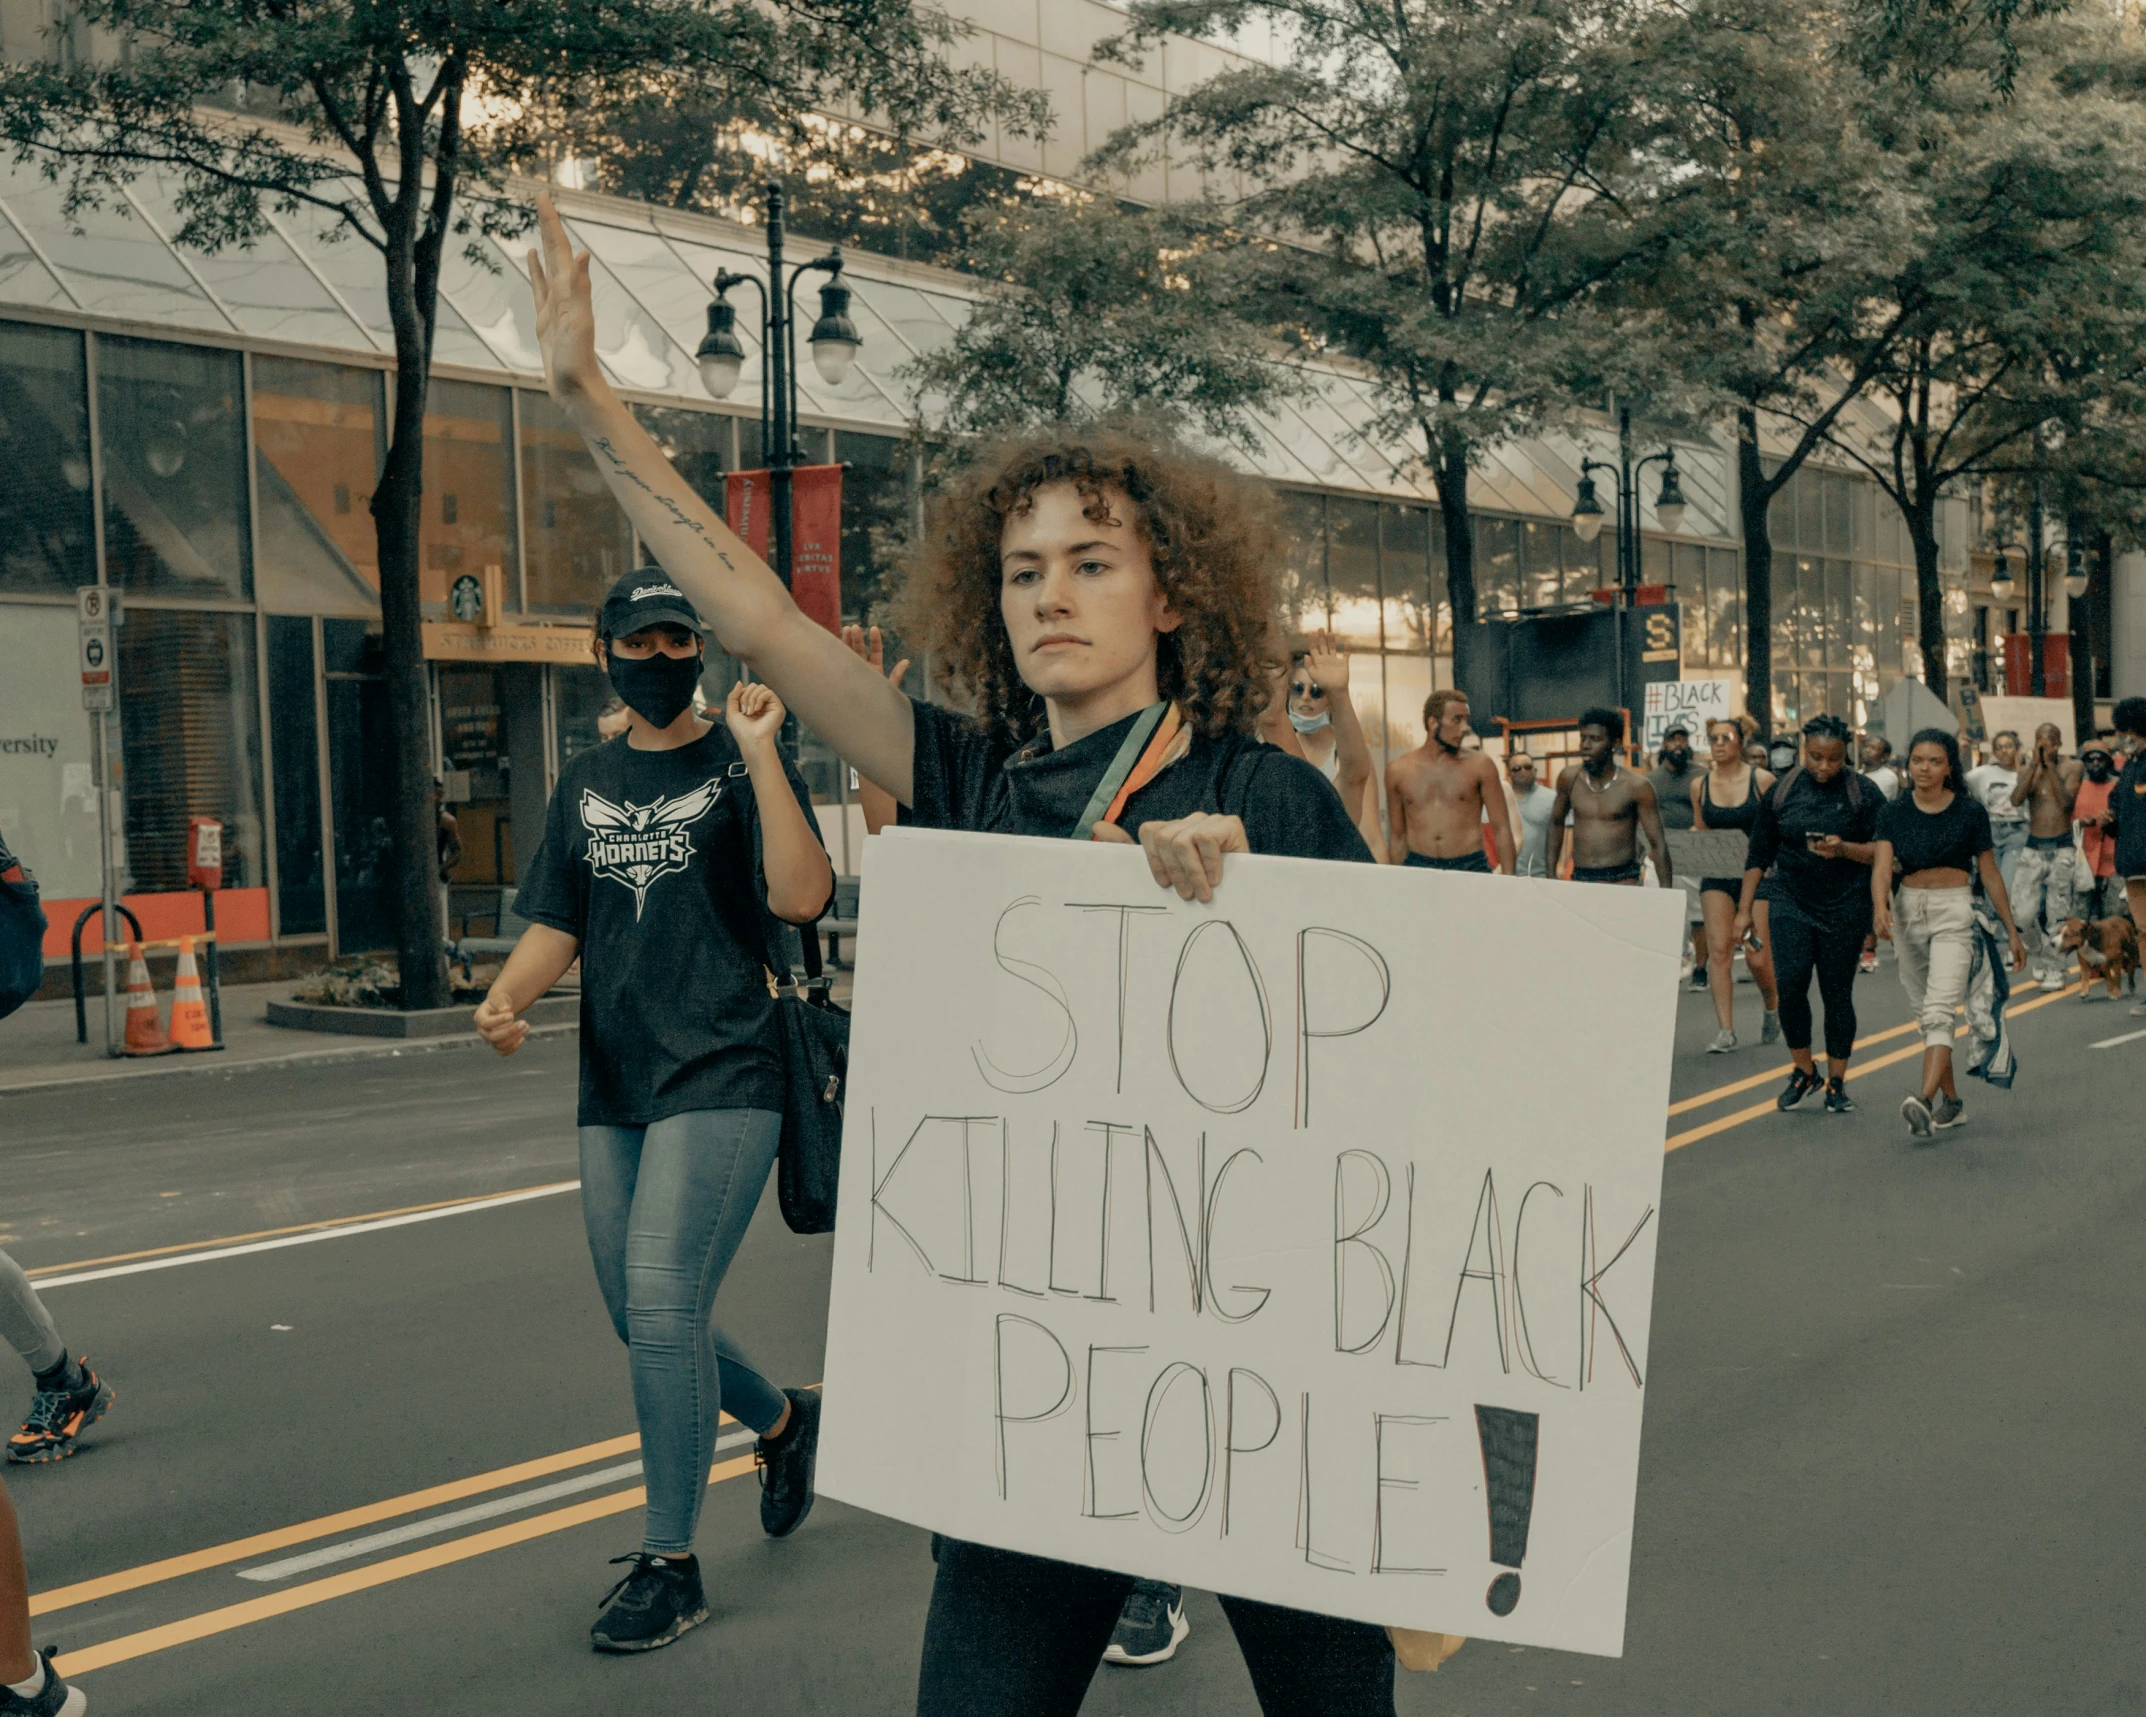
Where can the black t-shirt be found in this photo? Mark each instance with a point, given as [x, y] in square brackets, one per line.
[967, 779]
[650, 859]
[1833, 893]
[1950, 839]
[2128, 800]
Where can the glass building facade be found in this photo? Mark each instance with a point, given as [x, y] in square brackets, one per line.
[204, 434]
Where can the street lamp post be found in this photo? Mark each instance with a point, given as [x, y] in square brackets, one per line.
[834, 342]
[1668, 505]
[2037, 598]
[1587, 518]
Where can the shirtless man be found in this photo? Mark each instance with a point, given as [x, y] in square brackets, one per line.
[1437, 795]
[2047, 872]
[1611, 807]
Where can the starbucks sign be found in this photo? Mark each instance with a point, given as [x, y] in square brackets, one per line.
[465, 599]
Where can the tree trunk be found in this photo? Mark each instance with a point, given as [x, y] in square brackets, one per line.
[397, 501]
[1451, 476]
[1754, 498]
[1929, 595]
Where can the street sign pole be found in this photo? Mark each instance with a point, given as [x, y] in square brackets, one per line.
[93, 611]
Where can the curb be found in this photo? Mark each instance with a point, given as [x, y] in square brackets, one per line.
[371, 1049]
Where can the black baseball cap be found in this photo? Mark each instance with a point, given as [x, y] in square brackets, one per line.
[1679, 725]
[643, 598]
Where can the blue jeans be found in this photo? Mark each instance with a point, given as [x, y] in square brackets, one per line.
[666, 1206]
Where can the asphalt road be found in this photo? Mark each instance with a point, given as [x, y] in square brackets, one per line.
[1891, 1449]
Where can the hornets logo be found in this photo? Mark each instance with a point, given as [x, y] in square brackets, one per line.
[637, 845]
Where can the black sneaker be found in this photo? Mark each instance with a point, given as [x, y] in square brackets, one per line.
[54, 1699]
[1151, 1626]
[1947, 1113]
[786, 1467]
[659, 1599]
[1800, 1085]
[58, 1417]
[1838, 1102]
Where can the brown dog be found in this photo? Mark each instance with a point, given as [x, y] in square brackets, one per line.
[2108, 949]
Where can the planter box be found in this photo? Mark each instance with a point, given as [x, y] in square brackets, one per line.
[555, 1009]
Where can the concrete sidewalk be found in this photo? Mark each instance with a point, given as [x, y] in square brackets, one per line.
[38, 1048]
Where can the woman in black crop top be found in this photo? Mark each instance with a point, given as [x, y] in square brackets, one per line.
[1726, 796]
[1935, 840]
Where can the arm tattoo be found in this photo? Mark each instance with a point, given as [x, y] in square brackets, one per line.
[679, 516]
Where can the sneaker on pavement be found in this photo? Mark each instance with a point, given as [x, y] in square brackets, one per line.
[1916, 1113]
[1868, 962]
[1838, 1102]
[659, 1599]
[786, 1467]
[1724, 1041]
[1150, 1628]
[1698, 978]
[1800, 1085]
[1947, 1113]
[2056, 981]
[1770, 1029]
[58, 1417]
[54, 1699]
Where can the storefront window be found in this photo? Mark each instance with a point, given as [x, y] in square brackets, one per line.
[1497, 566]
[1352, 573]
[878, 521]
[578, 698]
[467, 522]
[579, 541]
[360, 786]
[318, 444]
[174, 469]
[46, 529]
[190, 716]
[1405, 575]
[294, 730]
[1303, 577]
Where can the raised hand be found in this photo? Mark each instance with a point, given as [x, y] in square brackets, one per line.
[873, 648]
[565, 312]
[753, 713]
[1327, 666]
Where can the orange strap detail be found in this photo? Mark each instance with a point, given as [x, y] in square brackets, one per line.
[1152, 763]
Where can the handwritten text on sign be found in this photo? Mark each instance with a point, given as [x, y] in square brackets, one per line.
[1237, 1246]
[1694, 703]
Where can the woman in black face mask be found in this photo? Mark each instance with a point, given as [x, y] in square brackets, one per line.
[663, 852]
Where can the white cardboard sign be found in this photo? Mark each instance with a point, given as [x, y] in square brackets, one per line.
[1697, 702]
[1237, 1245]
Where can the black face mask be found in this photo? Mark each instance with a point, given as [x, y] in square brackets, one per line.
[2099, 769]
[658, 688]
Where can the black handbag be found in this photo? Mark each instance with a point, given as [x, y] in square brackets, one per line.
[22, 934]
[814, 1035]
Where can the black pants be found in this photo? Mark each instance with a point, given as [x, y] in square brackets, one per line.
[1801, 947]
[1019, 1636]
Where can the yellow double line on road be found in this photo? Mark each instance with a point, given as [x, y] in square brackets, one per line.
[1856, 1070]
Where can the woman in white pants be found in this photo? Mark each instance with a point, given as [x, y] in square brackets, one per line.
[1936, 840]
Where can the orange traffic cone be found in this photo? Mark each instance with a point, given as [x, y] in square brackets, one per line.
[189, 1013]
[145, 1028]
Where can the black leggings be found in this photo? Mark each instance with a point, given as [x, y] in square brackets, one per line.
[1019, 1636]
[1799, 948]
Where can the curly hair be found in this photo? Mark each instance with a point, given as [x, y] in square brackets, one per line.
[1212, 538]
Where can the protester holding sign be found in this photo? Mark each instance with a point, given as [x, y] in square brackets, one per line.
[1106, 609]
[664, 853]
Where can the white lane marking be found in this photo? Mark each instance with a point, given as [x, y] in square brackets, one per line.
[460, 1517]
[2112, 1042]
[46, 1283]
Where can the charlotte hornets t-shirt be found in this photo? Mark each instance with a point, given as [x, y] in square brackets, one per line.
[650, 859]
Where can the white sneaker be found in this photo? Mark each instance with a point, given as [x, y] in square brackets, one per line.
[1916, 1113]
[2056, 981]
[1724, 1041]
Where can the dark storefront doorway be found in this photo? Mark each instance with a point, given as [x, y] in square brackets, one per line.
[492, 741]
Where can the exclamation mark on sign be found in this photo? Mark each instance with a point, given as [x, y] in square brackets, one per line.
[1508, 1439]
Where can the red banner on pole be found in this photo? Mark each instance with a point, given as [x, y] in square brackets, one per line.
[815, 535]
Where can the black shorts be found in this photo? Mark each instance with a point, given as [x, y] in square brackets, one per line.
[1732, 886]
[1474, 861]
[1626, 872]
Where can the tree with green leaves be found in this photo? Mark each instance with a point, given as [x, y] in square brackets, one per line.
[1459, 186]
[1778, 289]
[404, 122]
[2024, 292]
[1096, 311]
